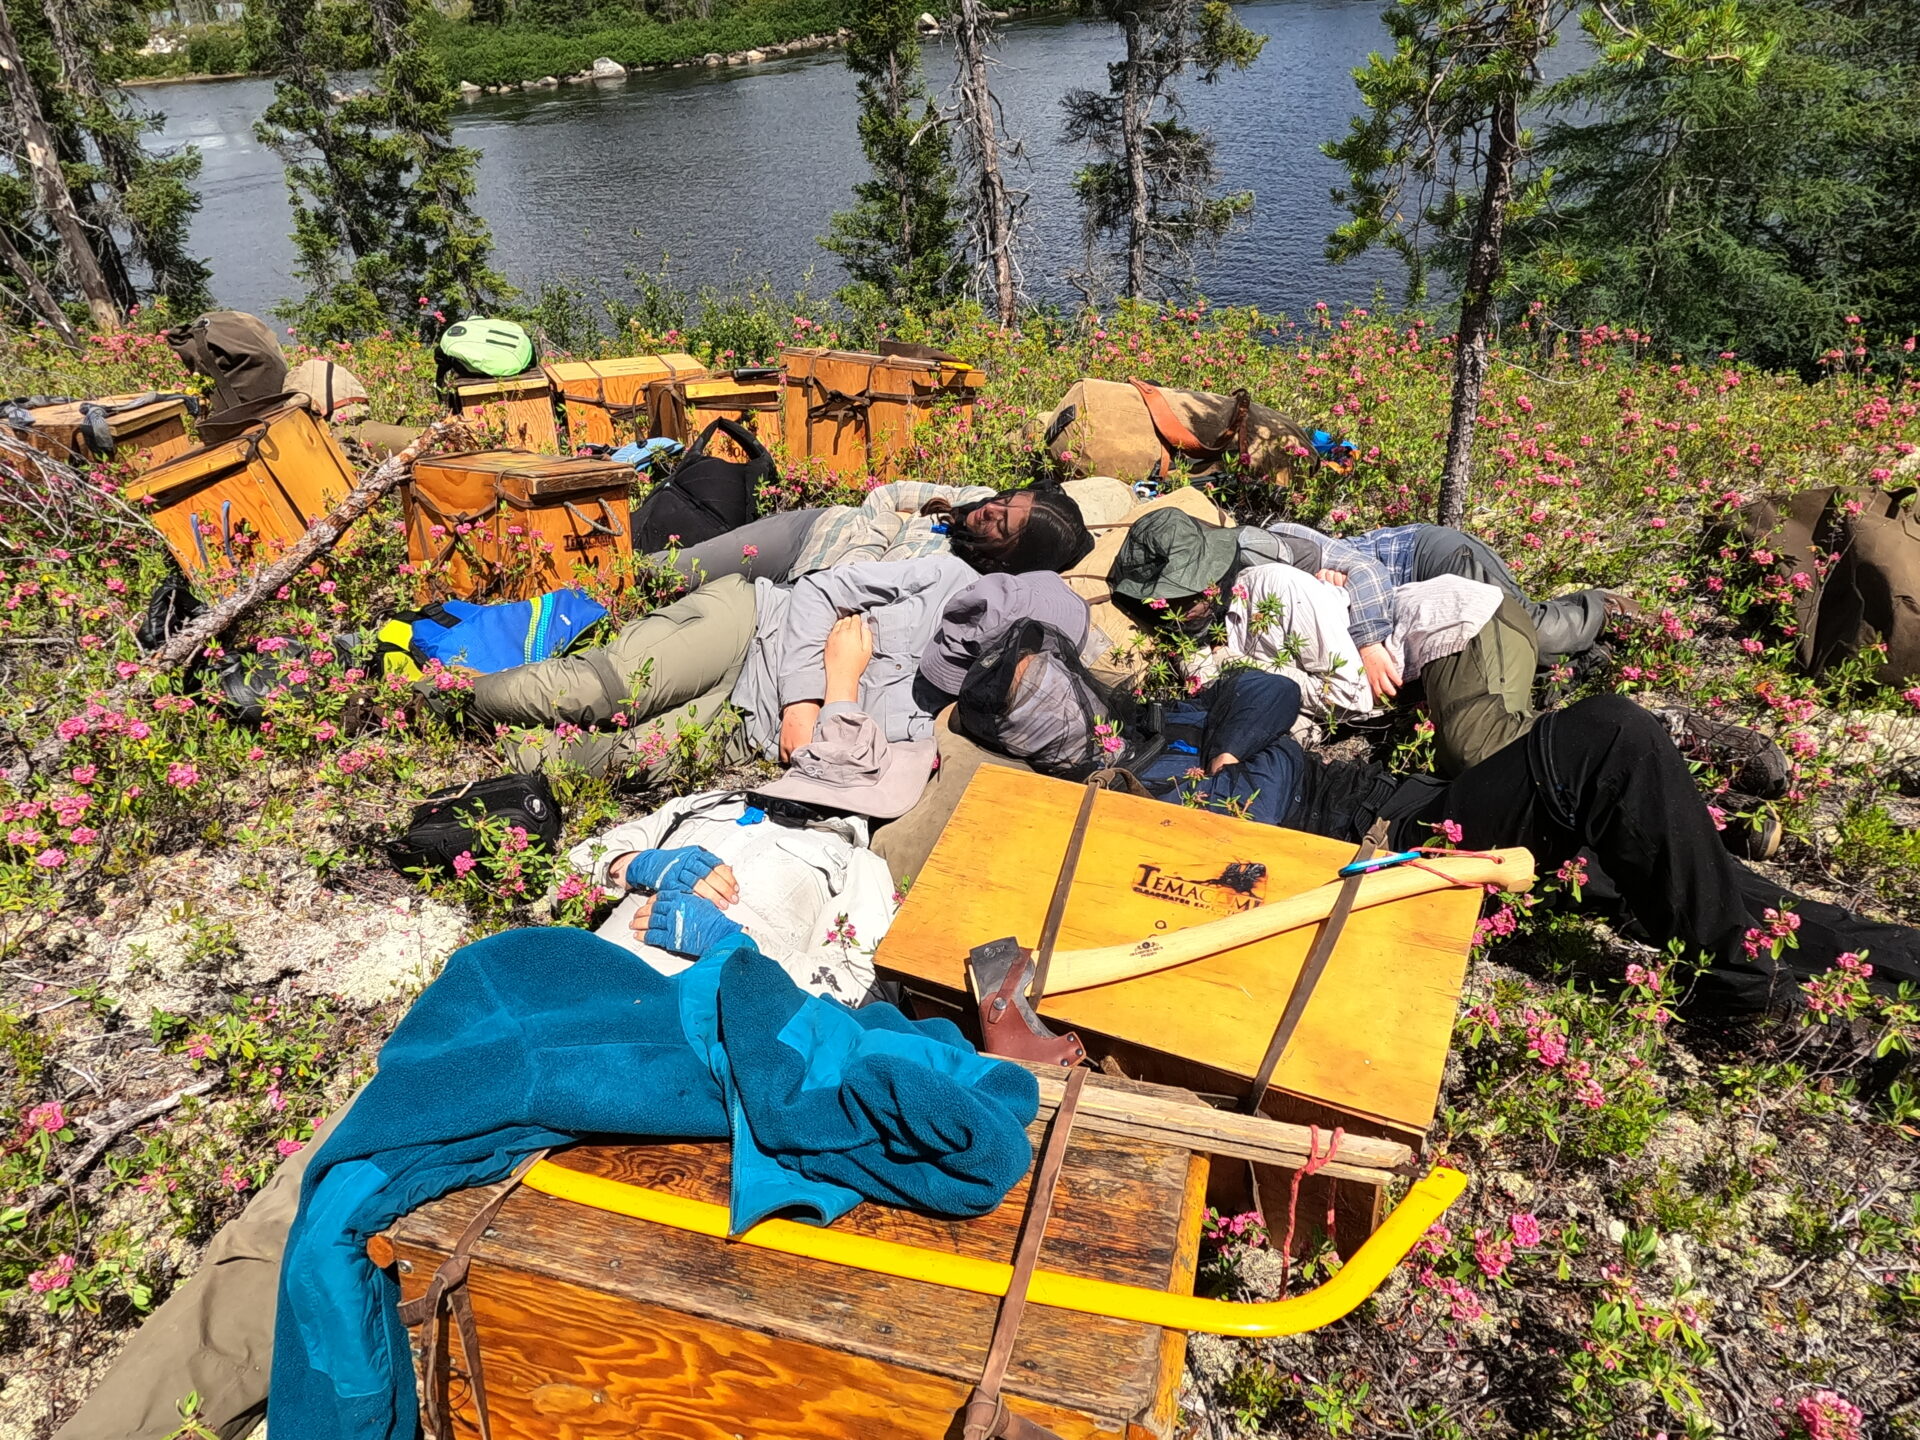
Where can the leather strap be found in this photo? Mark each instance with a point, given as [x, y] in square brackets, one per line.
[1062, 885]
[987, 1416]
[1177, 437]
[1311, 971]
[446, 1297]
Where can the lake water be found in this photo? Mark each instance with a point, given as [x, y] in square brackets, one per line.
[733, 173]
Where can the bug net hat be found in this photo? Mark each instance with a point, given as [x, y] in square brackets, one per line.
[1028, 695]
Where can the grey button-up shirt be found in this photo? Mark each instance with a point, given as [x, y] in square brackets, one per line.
[786, 662]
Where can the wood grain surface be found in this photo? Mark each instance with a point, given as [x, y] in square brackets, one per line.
[1372, 1043]
[685, 1335]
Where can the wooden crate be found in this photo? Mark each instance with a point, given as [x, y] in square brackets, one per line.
[1373, 1042]
[610, 402]
[856, 412]
[594, 1326]
[754, 404]
[143, 436]
[231, 507]
[522, 404]
[573, 516]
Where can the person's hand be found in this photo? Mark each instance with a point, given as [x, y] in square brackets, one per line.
[1222, 761]
[849, 650]
[685, 923]
[1332, 577]
[678, 869]
[1383, 676]
[796, 727]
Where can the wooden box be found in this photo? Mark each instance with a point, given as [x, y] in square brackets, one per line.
[696, 404]
[1373, 1042]
[855, 412]
[509, 525]
[522, 405]
[229, 508]
[143, 435]
[610, 402]
[594, 1326]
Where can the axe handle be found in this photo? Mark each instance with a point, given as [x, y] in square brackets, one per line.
[1110, 964]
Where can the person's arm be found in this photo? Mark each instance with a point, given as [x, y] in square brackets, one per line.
[1369, 588]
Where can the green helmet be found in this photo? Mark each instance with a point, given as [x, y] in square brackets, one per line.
[480, 346]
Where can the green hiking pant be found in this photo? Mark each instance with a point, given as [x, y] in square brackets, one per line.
[1482, 698]
[631, 697]
[214, 1336]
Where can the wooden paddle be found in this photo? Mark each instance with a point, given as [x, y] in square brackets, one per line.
[1084, 969]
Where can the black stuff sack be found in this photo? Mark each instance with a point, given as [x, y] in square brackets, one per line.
[705, 495]
[447, 824]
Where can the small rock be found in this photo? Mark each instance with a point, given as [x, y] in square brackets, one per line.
[755, 57]
[714, 59]
[927, 22]
[605, 69]
[467, 87]
[546, 82]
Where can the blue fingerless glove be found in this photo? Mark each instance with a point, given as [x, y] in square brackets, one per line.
[688, 924]
[659, 870]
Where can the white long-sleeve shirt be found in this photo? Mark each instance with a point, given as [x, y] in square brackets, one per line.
[796, 885]
[1286, 621]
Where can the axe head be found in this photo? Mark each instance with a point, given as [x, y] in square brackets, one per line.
[998, 975]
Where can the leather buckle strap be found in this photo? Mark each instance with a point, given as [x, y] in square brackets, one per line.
[987, 1416]
[446, 1298]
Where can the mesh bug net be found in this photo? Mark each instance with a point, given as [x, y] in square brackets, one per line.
[1028, 695]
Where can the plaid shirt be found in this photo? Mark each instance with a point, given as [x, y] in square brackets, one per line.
[1371, 575]
[888, 526]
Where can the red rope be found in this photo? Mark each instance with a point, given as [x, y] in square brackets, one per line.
[1315, 1162]
[1458, 854]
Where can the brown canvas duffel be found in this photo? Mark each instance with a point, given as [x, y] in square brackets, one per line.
[1860, 548]
[1133, 430]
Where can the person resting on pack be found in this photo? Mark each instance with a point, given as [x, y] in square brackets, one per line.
[1269, 615]
[755, 648]
[1367, 568]
[787, 862]
[1035, 528]
[1599, 779]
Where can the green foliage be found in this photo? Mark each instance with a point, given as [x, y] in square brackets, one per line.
[1150, 198]
[519, 47]
[1876, 851]
[383, 221]
[1751, 208]
[897, 242]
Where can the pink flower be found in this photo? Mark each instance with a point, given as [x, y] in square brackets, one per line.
[72, 728]
[56, 1276]
[139, 730]
[749, 552]
[52, 858]
[463, 863]
[1826, 1416]
[1548, 1045]
[326, 732]
[85, 774]
[1526, 1229]
[1451, 830]
[1912, 697]
[182, 775]
[1491, 1255]
[83, 835]
[287, 1149]
[50, 1117]
[198, 1046]
[234, 1180]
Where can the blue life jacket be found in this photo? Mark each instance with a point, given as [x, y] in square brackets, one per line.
[486, 638]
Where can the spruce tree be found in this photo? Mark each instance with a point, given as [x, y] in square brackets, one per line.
[897, 241]
[1151, 195]
[381, 195]
[1439, 157]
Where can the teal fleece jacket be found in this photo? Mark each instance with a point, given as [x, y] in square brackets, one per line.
[538, 1037]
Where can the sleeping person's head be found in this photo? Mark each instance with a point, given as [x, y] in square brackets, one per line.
[984, 611]
[1027, 695]
[1020, 532]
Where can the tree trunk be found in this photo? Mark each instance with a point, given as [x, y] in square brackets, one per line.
[120, 154]
[1476, 310]
[1133, 125]
[38, 295]
[993, 213]
[43, 160]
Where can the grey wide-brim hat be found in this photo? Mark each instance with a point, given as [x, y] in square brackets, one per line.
[850, 766]
[982, 612]
[1169, 555]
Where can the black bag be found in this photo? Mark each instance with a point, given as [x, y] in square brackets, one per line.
[173, 605]
[248, 680]
[445, 825]
[705, 496]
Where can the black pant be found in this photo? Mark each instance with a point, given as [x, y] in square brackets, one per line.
[1602, 776]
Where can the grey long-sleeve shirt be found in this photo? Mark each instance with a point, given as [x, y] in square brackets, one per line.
[786, 662]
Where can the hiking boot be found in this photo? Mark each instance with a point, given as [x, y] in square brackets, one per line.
[1755, 835]
[1752, 763]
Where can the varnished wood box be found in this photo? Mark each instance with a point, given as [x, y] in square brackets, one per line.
[509, 525]
[611, 402]
[855, 412]
[516, 412]
[143, 435]
[594, 1326]
[229, 508]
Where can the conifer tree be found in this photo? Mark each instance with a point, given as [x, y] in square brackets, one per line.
[381, 195]
[1444, 119]
[1151, 194]
[897, 240]
[992, 209]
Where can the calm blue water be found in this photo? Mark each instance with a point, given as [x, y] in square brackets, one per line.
[733, 174]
